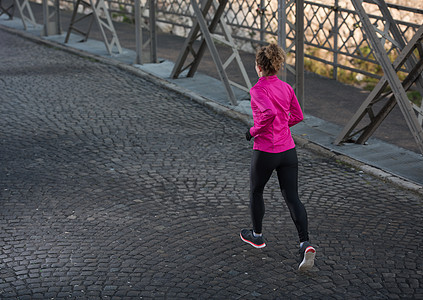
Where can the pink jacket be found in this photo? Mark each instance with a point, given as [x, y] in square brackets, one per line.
[275, 109]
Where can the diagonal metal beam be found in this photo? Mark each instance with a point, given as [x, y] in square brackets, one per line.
[210, 29]
[75, 20]
[391, 78]
[25, 11]
[391, 103]
[376, 95]
[188, 47]
[212, 47]
[206, 31]
[398, 39]
[8, 10]
[106, 27]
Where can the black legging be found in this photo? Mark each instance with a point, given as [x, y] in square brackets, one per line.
[286, 166]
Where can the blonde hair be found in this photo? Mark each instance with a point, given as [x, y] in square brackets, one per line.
[270, 58]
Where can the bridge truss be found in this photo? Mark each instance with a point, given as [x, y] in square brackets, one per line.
[390, 89]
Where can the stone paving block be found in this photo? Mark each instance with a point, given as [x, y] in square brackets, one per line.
[115, 187]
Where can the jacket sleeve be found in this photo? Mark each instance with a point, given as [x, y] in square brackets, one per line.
[264, 110]
[296, 114]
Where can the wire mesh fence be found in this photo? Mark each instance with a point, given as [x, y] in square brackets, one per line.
[334, 36]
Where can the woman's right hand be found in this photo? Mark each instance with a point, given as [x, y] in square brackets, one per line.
[248, 135]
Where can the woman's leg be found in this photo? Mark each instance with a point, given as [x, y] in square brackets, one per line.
[288, 181]
[262, 166]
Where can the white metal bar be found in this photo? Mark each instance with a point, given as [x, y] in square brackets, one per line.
[99, 7]
[25, 18]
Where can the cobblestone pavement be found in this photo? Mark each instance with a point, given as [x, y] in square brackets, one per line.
[114, 187]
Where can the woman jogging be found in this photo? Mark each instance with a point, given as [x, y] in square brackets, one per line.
[275, 109]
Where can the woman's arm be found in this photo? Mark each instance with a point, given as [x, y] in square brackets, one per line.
[264, 110]
[296, 114]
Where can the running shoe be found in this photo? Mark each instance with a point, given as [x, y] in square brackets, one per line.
[307, 254]
[248, 237]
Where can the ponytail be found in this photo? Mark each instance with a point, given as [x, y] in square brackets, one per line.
[270, 58]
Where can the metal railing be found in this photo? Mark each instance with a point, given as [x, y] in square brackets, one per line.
[333, 33]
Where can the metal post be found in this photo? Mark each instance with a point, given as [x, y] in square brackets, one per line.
[335, 32]
[299, 52]
[58, 24]
[46, 18]
[138, 32]
[153, 33]
[262, 20]
[282, 32]
[51, 18]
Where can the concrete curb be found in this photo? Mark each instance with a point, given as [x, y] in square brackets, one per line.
[226, 111]
[373, 171]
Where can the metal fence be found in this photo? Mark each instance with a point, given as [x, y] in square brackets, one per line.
[333, 31]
